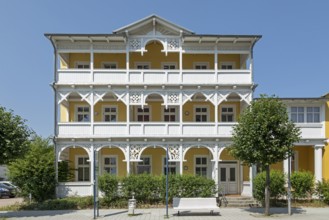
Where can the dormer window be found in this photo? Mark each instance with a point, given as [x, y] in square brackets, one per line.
[109, 65]
[227, 65]
[144, 66]
[201, 66]
[82, 65]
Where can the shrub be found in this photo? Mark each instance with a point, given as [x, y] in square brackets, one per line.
[276, 185]
[108, 184]
[302, 184]
[322, 190]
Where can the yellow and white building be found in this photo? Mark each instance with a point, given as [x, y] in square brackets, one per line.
[121, 99]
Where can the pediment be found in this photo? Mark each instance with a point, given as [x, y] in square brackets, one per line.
[153, 25]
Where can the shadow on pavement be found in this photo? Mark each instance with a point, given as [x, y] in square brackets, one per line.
[189, 213]
[115, 213]
[18, 214]
[276, 210]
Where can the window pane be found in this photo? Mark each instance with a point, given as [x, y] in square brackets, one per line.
[204, 160]
[146, 118]
[204, 118]
[223, 174]
[198, 160]
[113, 118]
[309, 117]
[172, 118]
[316, 118]
[198, 118]
[301, 109]
[80, 161]
[232, 174]
[294, 118]
[300, 118]
[107, 161]
[86, 173]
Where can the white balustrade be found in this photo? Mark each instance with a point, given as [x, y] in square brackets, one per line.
[110, 129]
[74, 189]
[153, 76]
[311, 130]
[73, 129]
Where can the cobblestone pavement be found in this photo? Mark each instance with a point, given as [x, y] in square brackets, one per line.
[10, 201]
[149, 214]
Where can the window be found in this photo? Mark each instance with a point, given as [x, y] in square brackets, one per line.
[168, 66]
[305, 114]
[170, 114]
[227, 65]
[144, 66]
[110, 114]
[110, 165]
[83, 168]
[201, 114]
[313, 114]
[201, 166]
[227, 114]
[201, 66]
[297, 114]
[83, 114]
[109, 65]
[143, 114]
[144, 166]
[171, 167]
[82, 65]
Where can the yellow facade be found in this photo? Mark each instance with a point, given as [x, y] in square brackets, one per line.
[121, 164]
[189, 160]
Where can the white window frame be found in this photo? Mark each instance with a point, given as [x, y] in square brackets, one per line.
[76, 113]
[170, 165]
[109, 63]
[163, 64]
[137, 164]
[227, 64]
[195, 113]
[313, 113]
[206, 166]
[305, 113]
[109, 113]
[137, 113]
[143, 64]
[234, 112]
[77, 166]
[170, 113]
[109, 166]
[77, 63]
[195, 64]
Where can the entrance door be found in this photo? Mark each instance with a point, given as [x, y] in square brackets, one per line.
[228, 177]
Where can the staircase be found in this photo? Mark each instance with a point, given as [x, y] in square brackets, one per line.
[240, 202]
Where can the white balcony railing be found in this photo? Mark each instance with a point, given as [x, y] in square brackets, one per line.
[150, 129]
[117, 76]
[162, 129]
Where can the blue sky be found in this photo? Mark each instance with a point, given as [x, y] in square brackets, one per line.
[290, 60]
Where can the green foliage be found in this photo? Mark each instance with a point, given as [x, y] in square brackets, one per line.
[276, 185]
[143, 185]
[150, 189]
[65, 174]
[35, 172]
[69, 203]
[322, 190]
[264, 134]
[108, 184]
[302, 184]
[14, 136]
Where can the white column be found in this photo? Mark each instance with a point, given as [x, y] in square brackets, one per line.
[215, 167]
[181, 159]
[127, 61]
[180, 61]
[252, 174]
[92, 112]
[91, 63]
[216, 64]
[128, 159]
[318, 162]
[92, 167]
[181, 112]
[216, 114]
[128, 111]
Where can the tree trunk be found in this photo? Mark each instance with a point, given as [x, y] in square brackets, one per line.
[267, 191]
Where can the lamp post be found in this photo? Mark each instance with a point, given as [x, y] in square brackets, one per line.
[289, 186]
[167, 181]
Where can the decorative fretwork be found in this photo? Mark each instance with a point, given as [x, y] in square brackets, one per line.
[111, 46]
[174, 152]
[134, 152]
[135, 44]
[173, 98]
[135, 98]
[73, 46]
[173, 44]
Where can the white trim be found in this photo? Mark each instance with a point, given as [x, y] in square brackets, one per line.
[150, 113]
[141, 158]
[207, 165]
[201, 106]
[200, 64]
[103, 163]
[163, 113]
[109, 63]
[76, 63]
[227, 63]
[169, 64]
[109, 106]
[305, 106]
[228, 106]
[76, 112]
[76, 171]
[142, 64]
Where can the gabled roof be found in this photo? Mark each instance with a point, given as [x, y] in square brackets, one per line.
[155, 19]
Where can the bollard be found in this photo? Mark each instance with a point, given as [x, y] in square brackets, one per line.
[131, 206]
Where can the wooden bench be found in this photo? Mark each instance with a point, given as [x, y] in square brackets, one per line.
[201, 204]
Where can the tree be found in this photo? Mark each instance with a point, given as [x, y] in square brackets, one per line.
[264, 136]
[14, 136]
[35, 172]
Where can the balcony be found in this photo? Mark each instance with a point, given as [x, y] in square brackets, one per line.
[150, 129]
[312, 130]
[167, 77]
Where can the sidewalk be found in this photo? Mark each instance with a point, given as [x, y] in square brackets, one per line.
[150, 214]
